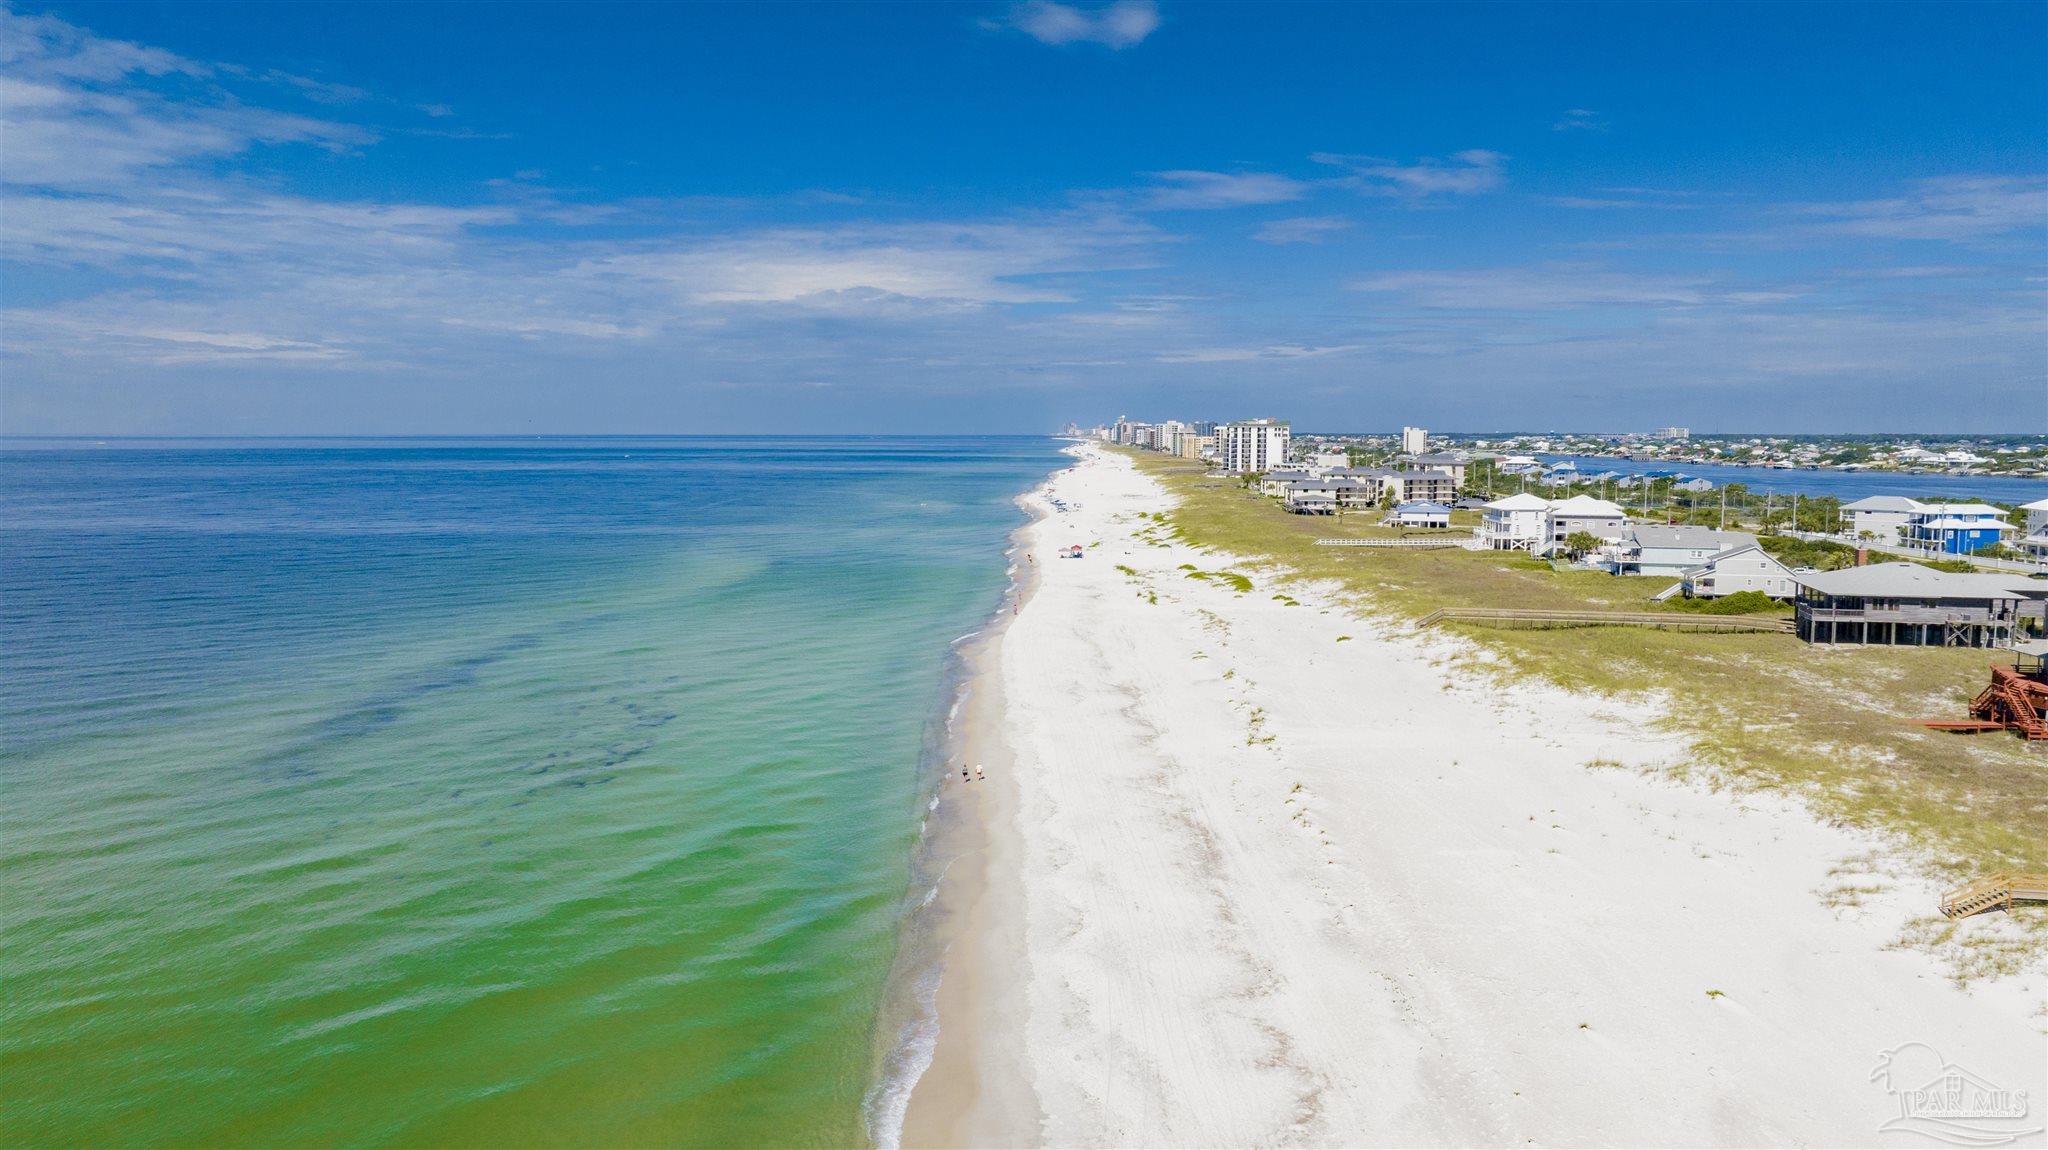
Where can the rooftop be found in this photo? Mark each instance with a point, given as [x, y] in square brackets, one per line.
[1894, 503]
[1912, 581]
[1690, 537]
[1587, 505]
[1951, 510]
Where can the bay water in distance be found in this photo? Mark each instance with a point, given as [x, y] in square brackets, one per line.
[470, 792]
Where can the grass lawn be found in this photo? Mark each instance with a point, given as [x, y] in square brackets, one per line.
[1763, 711]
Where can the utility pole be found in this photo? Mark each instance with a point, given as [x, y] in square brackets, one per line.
[1724, 510]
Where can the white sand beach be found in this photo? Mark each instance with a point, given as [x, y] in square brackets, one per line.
[1251, 882]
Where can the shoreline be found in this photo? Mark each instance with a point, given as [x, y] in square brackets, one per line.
[1430, 914]
[955, 930]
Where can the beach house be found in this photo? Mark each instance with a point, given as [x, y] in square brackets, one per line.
[1420, 514]
[1648, 550]
[1745, 567]
[1911, 605]
[1882, 516]
[1596, 517]
[2035, 542]
[1956, 528]
[1514, 523]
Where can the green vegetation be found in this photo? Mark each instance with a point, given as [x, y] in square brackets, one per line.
[1740, 603]
[1817, 554]
[1761, 711]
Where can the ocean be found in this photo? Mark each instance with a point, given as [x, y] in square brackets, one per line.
[472, 792]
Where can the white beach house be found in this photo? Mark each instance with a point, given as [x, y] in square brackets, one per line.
[1514, 523]
[1596, 517]
[1883, 516]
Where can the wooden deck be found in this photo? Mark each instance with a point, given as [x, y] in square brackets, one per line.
[1994, 892]
[1667, 621]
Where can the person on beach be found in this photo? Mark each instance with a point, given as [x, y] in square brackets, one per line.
[978, 775]
[963, 774]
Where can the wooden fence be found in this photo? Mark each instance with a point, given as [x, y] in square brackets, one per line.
[1670, 621]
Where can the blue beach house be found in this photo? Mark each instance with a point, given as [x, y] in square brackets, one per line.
[1955, 528]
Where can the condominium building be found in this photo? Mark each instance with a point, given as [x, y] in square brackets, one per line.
[1414, 441]
[1252, 444]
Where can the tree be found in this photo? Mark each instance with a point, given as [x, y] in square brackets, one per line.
[1580, 543]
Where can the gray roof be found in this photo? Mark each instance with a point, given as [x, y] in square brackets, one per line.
[1912, 581]
[1884, 503]
[1711, 560]
[1690, 538]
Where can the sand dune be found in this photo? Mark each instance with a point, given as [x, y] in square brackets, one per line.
[1252, 883]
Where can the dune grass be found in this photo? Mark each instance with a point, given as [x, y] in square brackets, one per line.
[1762, 711]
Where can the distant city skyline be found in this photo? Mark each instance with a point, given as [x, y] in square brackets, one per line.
[319, 219]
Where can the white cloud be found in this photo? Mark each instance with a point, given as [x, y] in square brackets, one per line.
[1460, 174]
[1202, 190]
[1250, 354]
[1605, 203]
[45, 47]
[1300, 229]
[1118, 25]
[1580, 120]
[81, 113]
[1948, 208]
[1536, 289]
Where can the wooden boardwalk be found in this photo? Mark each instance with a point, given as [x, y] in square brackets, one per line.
[1994, 892]
[1408, 542]
[1662, 620]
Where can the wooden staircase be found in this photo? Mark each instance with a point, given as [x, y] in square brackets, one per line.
[2014, 700]
[1994, 892]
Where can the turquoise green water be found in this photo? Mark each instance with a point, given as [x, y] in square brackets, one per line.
[471, 794]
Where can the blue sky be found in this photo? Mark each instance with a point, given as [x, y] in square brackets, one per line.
[430, 218]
